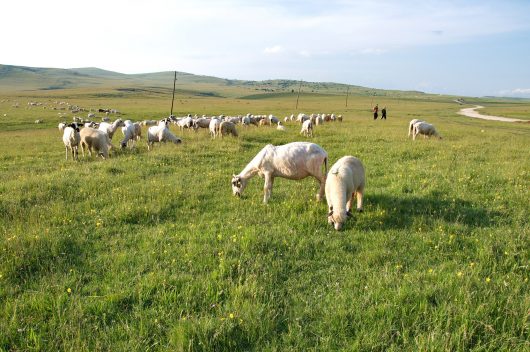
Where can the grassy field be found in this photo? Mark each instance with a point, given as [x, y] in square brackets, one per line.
[150, 251]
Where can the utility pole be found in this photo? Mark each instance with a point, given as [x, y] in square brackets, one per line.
[298, 97]
[347, 92]
[173, 98]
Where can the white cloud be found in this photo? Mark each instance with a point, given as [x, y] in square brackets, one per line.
[516, 93]
[273, 50]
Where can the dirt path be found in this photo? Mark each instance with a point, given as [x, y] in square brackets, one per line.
[470, 112]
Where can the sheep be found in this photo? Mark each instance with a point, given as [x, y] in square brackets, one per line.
[214, 127]
[160, 133]
[201, 123]
[426, 129]
[293, 161]
[227, 127]
[109, 129]
[281, 127]
[131, 132]
[265, 122]
[98, 140]
[149, 123]
[186, 122]
[307, 128]
[411, 125]
[345, 180]
[61, 126]
[302, 117]
[71, 139]
[273, 119]
[38, 121]
[91, 115]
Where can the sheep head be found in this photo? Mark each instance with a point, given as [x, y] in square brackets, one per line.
[337, 219]
[238, 184]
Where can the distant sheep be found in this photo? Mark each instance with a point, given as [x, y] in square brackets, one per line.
[214, 127]
[110, 128]
[307, 128]
[92, 139]
[71, 139]
[293, 161]
[39, 121]
[160, 134]
[411, 126]
[345, 180]
[131, 132]
[227, 127]
[426, 129]
[281, 127]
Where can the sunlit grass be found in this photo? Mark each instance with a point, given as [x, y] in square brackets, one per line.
[150, 251]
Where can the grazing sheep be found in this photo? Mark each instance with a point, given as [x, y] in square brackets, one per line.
[345, 180]
[71, 139]
[293, 161]
[411, 126]
[273, 119]
[214, 127]
[149, 123]
[307, 128]
[91, 115]
[227, 127]
[201, 123]
[426, 129]
[38, 121]
[95, 139]
[161, 134]
[265, 121]
[131, 132]
[186, 122]
[302, 117]
[339, 118]
[281, 127]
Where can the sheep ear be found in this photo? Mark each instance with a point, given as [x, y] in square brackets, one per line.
[330, 213]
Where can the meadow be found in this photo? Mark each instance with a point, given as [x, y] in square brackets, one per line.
[149, 251]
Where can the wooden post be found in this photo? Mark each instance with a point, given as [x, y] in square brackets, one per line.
[173, 98]
[299, 87]
[347, 92]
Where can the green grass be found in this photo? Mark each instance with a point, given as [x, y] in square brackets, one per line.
[150, 251]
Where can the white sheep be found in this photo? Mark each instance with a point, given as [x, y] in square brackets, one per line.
[160, 134]
[227, 127]
[110, 128]
[61, 126]
[71, 139]
[307, 128]
[345, 180]
[96, 140]
[293, 161]
[131, 132]
[281, 127]
[426, 129]
[214, 127]
[411, 126]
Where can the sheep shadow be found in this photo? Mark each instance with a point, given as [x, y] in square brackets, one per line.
[402, 212]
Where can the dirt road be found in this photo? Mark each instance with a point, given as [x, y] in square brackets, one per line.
[470, 112]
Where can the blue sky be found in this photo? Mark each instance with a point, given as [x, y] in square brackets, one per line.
[461, 47]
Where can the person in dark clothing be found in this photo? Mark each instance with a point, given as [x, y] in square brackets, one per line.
[376, 109]
[383, 113]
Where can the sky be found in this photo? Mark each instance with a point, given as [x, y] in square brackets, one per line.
[459, 47]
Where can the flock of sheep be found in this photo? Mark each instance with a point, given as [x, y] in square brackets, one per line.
[344, 182]
[97, 136]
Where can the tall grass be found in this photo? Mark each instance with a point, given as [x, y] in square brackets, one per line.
[150, 251]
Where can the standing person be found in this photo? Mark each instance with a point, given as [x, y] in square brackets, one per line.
[376, 109]
[383, 113]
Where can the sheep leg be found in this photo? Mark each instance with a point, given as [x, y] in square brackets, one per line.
[359, 194]
[322, 180]
[66, 148]
[267, 188]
